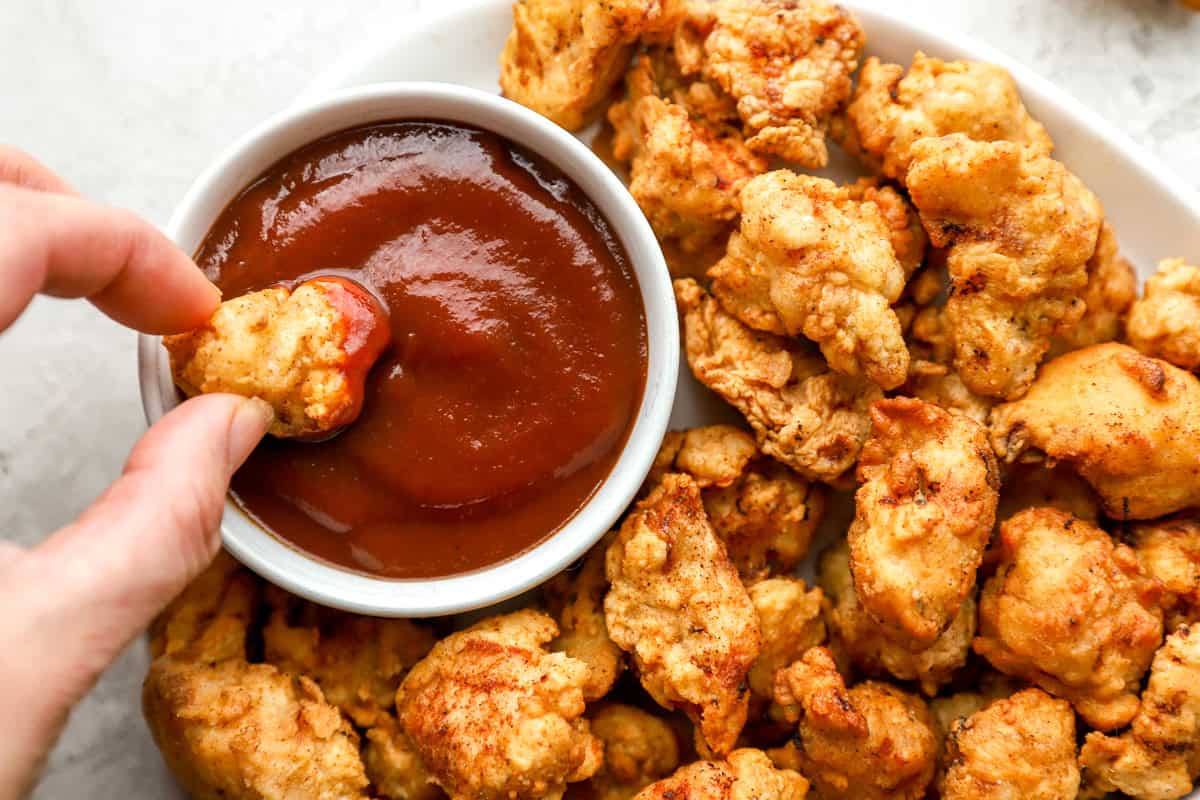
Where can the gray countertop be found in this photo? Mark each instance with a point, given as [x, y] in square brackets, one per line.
[129, 100]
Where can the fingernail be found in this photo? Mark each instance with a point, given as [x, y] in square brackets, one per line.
[246, 429]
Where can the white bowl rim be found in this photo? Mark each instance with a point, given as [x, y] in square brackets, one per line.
[333, 586]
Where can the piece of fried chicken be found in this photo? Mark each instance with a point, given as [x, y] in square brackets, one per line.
[1018, 748]
[869, 742]
[813, 420]
[576, 599]
[306, 351]
[1169, 550]
[393, 766]
[809, 259]
[948, 709]
[1109, 294]
[357, 661]
[1034, 485]
[1071, 611]
[493, 714]
[941, 386]
[891, 111]
[789, 616]
[907, 235]
[1124, 421]
[1021, 229]
[1158, 758]
[210, 617]
[923, 515]
[639, 749]
[745, 774]
[677, 606]
[764, 512]
[563, 57]
[1165, 322]
[862, 644]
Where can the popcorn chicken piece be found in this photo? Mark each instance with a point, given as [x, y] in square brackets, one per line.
[1158, 758]
[891, 111]
[1169, 551]
[746, 774]
[870, 742]
[1124, 421]
[808, 259]
[576, 599]
[1165, 323]
[493, 714]
[563, 57]
[907, 235]
[210, 617]
[677, 606]
[1072, 612]
[940, 385]
[1110, 291]
[923, 515]
[393, 766]
[1018, 748]
[639, 749]
[714, 455]
[810, 419]
[860, 642]
[789, 615]
[1021, 229]
[357, 661]
[1034, 485]
[948, 709]
[306, 351]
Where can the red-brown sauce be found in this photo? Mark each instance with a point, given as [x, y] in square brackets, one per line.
[518, 345]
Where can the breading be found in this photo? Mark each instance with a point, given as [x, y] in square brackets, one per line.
[947, 709]
[907, 235]
[789, 616]
[493, 714]
[306, 351]
[1032, 485]
[1071, 611]
[746, 774]
[940, 385]
[677, 606]
[1169, 550]
[393, 766]
[1021, 229]
[1110, 291]
[809, 259]
[210, 617]
[639, 749]
[923, 515]
[813, 420]
[714, 455]
[576, 599]
[1165, 323]
[1127, 423]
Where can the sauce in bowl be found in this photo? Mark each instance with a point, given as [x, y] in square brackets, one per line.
[518, 354]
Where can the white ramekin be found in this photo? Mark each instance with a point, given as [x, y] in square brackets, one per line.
[321, 582]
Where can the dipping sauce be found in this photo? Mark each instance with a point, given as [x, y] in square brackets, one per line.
[518, 354]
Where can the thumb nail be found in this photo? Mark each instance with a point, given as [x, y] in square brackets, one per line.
[246, 430]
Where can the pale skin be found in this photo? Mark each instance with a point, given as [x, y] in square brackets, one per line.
[73, 602]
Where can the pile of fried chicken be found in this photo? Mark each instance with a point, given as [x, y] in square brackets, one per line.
[1014, 611]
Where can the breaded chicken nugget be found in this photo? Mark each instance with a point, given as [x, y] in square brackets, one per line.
[947, 709]
[1110, 291]
[677, 606]
[1018, 748]
[1034, 485]
[810, 419]
[940, 385]
[209, 619]
[393, 766]
[808, 259]
[639, 749]
[306, 351]
[1021, 229]
[493, 714]
[1158, 758]
[923, 515]
[1071, 611]
[746, 774]
[891, 111]
[789, 615]
[870, 742]
[714, 455]
[1169, 550]
[1124, 421]
[1165, 323]
[907, 235]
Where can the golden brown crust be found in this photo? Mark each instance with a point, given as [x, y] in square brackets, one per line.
[393, 766]
[789, 616]
[210, 617]
[639, 749]
[907, 235]
[1169, 551]
[941, 385]
[576, 599]
[746, 774]
[1110, 291]
[1034, 485]
[1165, 323]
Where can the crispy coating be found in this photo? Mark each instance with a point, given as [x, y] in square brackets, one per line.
[1032, 485]
[639, 749]
[947, 709]
[1021, 229]
[891, 111]
[1124, 421]
[1165, 322]
[941, 385]
[296, 349]
[813, 420]
[907, 235]
[576, 599]
[1169, 550]
[1018, 748]
[563, 57]
[787, 64]
[210, 617]
[1110, 291]
[1071, 611]
[677, 606]
[923, 515]
[809, 259]
[357, 661]
[393, 766]
[493, 714]
[789, 615]
[1158, 758]
[860, 642]
[870, 742]
[746, 774]
[714, 455]
[249, 731]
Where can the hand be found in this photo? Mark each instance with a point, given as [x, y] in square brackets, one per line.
[70, 605]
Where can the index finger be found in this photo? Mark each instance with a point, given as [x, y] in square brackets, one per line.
[66, 246]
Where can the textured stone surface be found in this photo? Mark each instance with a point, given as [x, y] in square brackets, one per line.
[129, 100]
